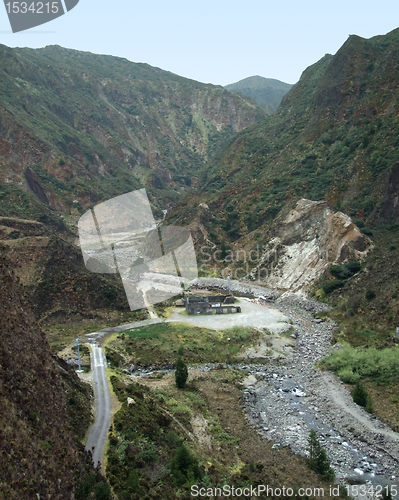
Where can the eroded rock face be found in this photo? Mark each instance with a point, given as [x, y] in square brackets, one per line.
[304, 243]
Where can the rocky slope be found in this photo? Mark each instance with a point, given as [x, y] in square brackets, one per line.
[40, 456]
[77, 128]
[303, 243]
[52, 272]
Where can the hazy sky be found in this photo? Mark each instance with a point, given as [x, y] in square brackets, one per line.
[213, 41]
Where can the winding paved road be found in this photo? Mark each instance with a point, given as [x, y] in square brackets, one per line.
[98, 432]
[251, 315]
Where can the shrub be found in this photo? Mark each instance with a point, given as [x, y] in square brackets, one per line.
[340, 272]
[102, 491]
[173, 439]
[351, 311]
[184, 467]
[381, 365]
[181, 374]
[370, 294]
[359, 394]
[332, 285]
[361, 397]
[345, 271]
[347, 376]
[353, 267]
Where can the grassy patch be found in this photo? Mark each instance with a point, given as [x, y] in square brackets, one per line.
[158, 344]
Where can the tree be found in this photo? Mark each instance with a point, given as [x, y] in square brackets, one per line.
[181, 373]
[361, 397]
[184, 467]
[318, 460]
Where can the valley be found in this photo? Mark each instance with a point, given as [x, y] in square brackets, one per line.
[282, 398]
[292, 191]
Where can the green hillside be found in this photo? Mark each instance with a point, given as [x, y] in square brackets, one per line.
[78, 128]
[334, 137]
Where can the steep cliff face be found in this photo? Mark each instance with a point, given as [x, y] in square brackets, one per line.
[39, 456]
[77, 127]
[302, 244]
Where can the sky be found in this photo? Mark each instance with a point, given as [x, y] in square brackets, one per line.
[212, 41]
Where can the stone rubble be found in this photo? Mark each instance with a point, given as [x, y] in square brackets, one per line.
[292, 394]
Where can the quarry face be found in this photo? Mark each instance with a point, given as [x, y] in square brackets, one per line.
[306, 241]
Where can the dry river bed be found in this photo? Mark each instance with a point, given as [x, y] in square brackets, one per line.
[291, 397]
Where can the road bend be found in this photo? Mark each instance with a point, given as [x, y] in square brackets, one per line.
[98, 432]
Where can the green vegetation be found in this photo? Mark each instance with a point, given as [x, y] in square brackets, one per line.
[361, 397]
[147, 452]
[88, 486]
[181, 373]
[318, 460]
[158, 445]
[354, 363]
[343, 273]
[156, 344]
[184, 467]
[332, 285]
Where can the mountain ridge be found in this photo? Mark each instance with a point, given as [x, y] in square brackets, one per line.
[91, 126]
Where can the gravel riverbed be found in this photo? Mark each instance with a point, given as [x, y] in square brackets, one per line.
[291, 396]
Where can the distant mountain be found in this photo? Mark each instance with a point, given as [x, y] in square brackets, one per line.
[267, 92]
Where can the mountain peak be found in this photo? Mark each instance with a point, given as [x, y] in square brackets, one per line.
[266, 92]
